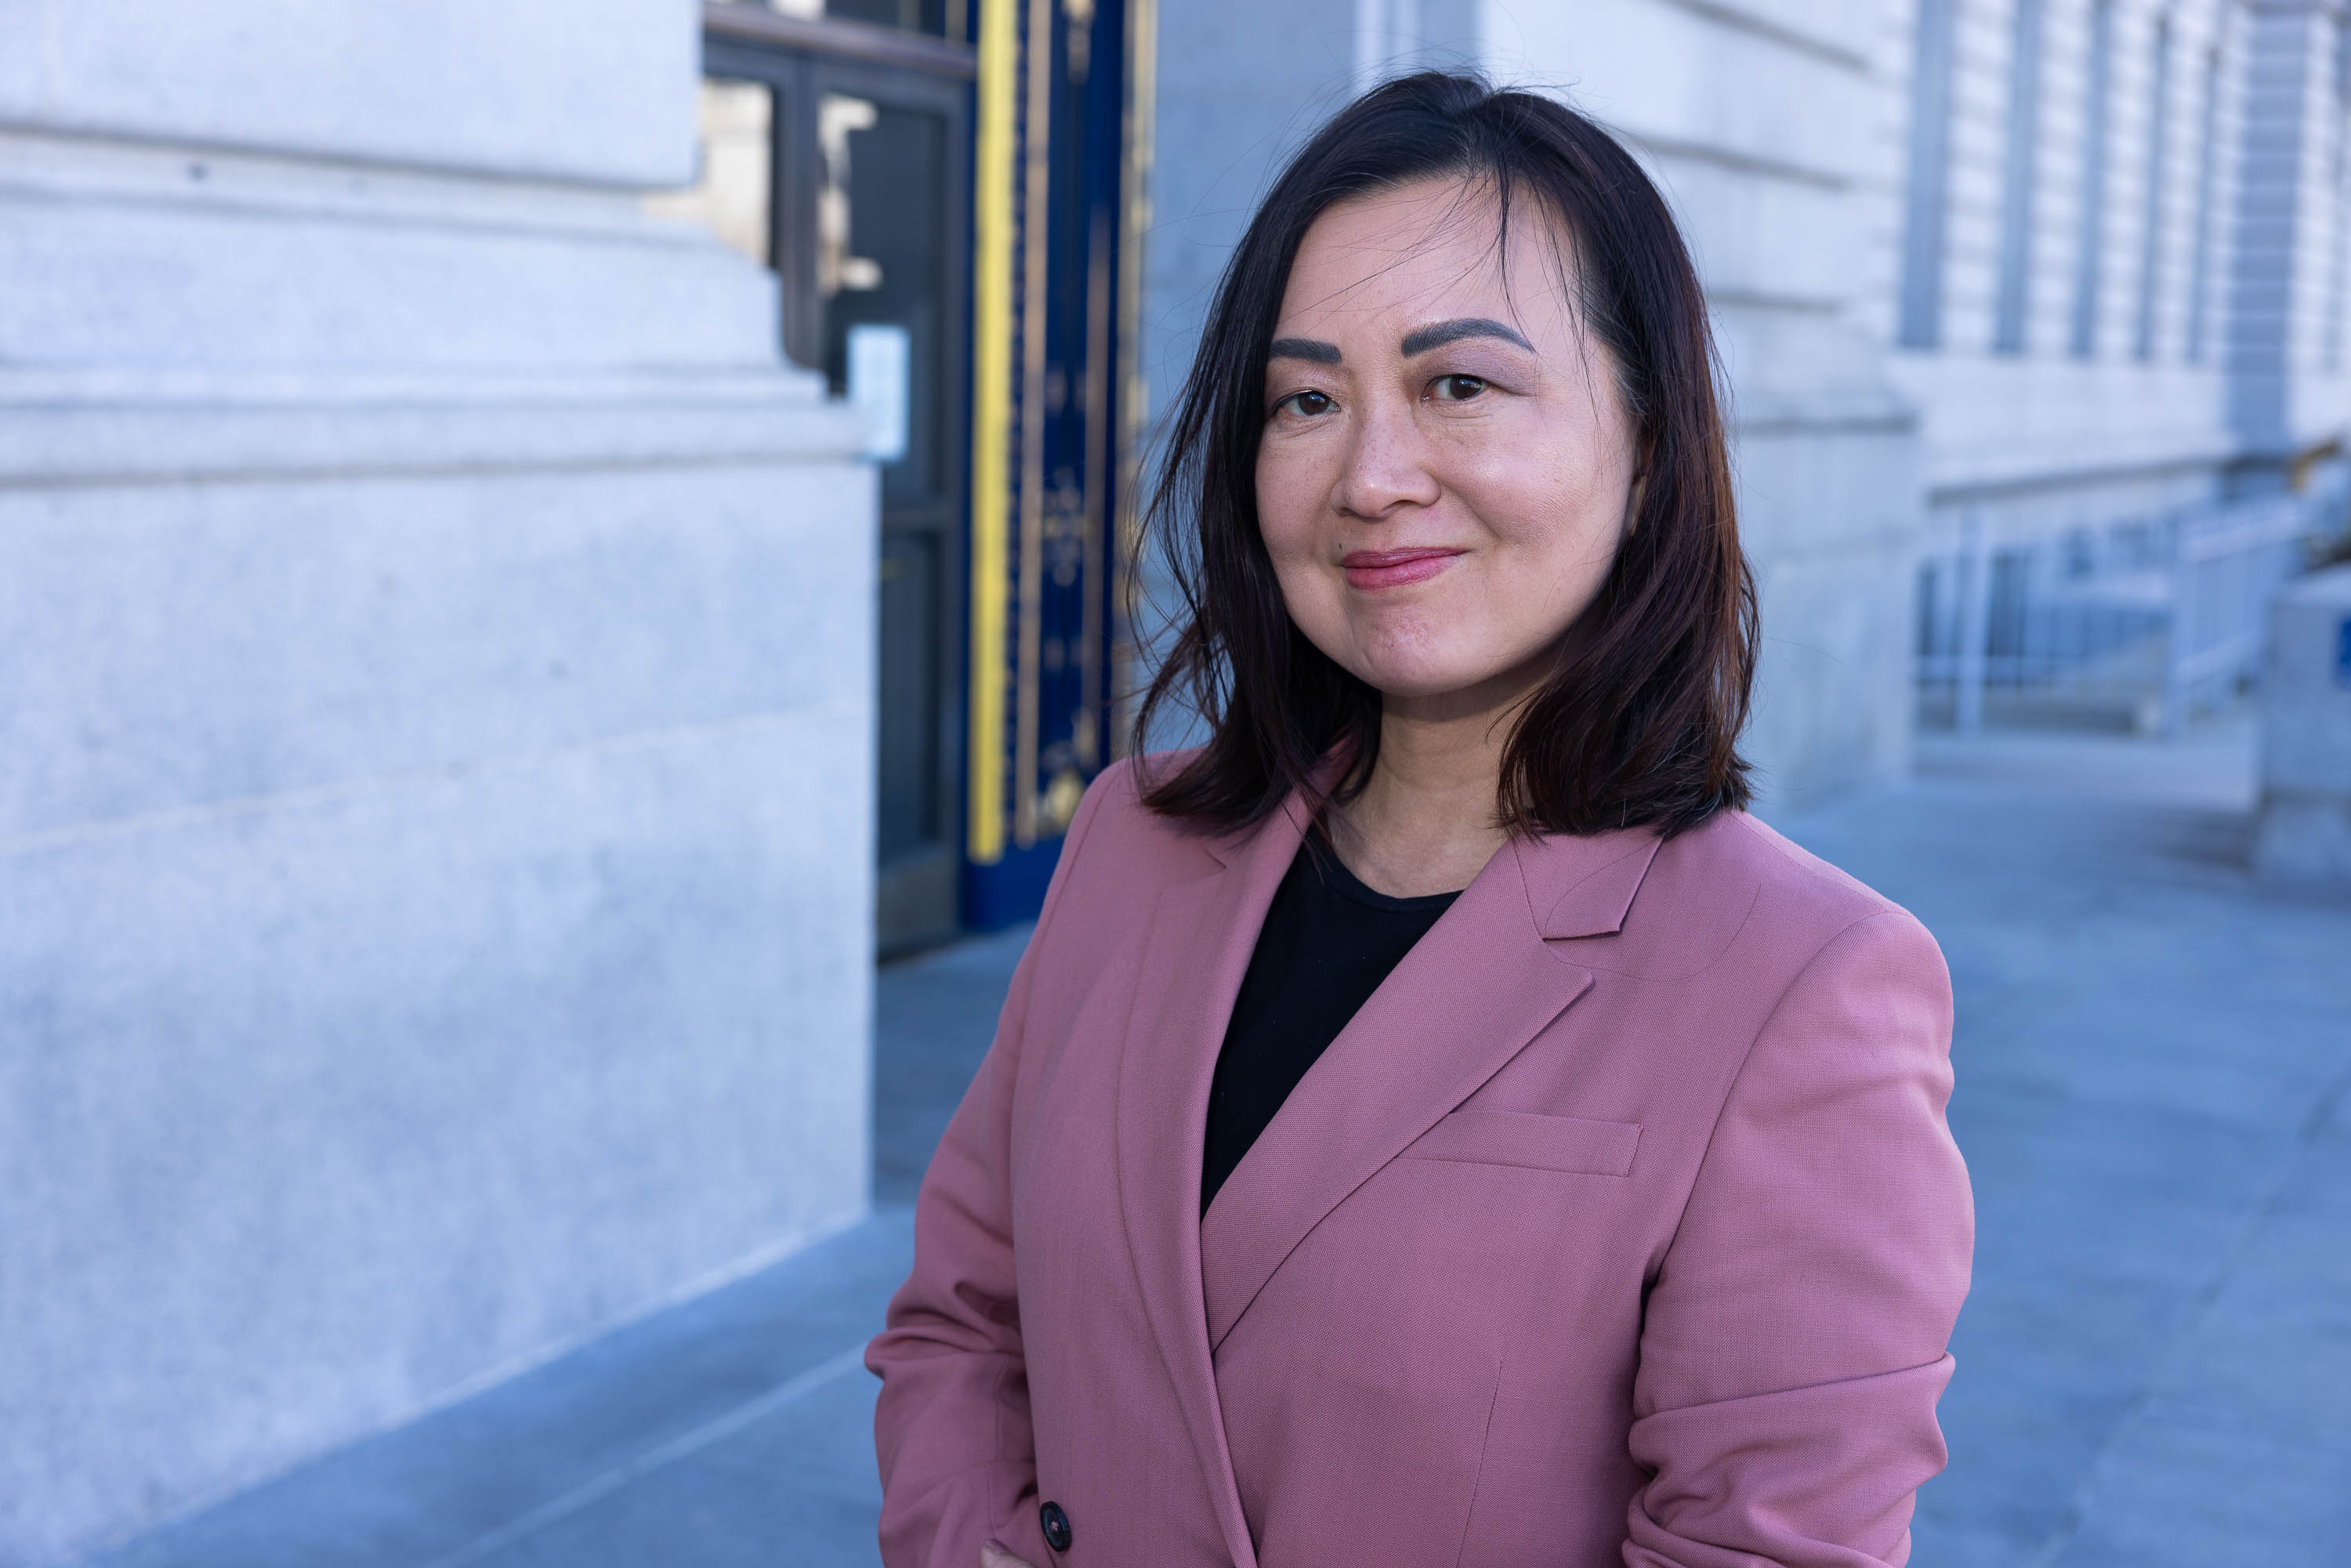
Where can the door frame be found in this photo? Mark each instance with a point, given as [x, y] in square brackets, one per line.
[799, 59]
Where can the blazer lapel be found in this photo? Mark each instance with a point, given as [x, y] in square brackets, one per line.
[1467, 999]
[1202, 935]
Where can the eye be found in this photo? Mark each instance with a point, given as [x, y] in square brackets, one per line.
[1456, 388]
[1309, 404]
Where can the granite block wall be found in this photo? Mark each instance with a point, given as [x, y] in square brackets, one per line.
[435, 735]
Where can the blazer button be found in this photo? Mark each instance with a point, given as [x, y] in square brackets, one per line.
[1057, 1526]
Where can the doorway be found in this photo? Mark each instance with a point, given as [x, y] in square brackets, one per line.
[925, 216]
[867, 125]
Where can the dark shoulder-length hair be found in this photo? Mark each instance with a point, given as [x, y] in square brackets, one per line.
[1638, 721]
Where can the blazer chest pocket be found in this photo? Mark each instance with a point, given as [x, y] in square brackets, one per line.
[1572, 1143]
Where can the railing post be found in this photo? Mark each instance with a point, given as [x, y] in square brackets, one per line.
[2178, 638]
[1975, 623]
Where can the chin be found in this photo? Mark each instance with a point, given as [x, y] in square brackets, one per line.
[1418, 681]
[1416, 655]
[1431, 668]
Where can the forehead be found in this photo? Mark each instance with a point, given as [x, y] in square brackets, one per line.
[1429, 250]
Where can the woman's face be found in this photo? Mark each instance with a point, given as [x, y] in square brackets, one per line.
[1446, 471]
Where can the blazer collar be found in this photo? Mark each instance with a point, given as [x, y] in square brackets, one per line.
[1575, 885]
[1585, 886]
[1465, 1001]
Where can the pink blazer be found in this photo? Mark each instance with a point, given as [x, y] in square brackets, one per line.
[1622, 1226]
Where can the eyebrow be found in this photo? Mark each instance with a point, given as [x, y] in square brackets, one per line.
[1312, 350]
[1443, 332]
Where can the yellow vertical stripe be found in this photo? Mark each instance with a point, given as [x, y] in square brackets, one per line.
[999, 59]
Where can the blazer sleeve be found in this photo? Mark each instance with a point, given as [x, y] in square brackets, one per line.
[1793, 1346]
[951, 1426]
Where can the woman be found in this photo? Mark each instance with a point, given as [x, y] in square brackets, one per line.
[1432, 1124]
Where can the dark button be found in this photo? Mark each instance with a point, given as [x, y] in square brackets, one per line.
[1057, 1526]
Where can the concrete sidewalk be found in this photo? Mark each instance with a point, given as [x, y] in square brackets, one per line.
[2155, 1363]
[2154, 1366]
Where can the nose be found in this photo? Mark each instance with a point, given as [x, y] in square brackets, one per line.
[1386, 466]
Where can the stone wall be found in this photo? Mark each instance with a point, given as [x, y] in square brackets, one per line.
[2029, 428]
[434, 743]
[1757, 121]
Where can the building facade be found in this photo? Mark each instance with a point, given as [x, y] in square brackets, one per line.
[2117, 294]
[436, 812]
[2122, 265]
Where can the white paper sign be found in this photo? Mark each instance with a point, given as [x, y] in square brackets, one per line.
[878, 364]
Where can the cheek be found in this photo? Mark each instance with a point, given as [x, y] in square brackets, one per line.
[1555, 525]
[1288, 502]
[1289, 514]
[1542, 485]
[1585, 477]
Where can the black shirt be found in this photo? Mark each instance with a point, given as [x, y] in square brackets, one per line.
[1328, 943]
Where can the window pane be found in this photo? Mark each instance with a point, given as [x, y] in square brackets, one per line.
[910, 695]
[881, 262]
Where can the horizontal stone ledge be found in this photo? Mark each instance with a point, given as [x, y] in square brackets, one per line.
[117, 283]
[1869, 410]
[586, 90]
[168, 384]
[64, 169]
[1781, 29]
[443, 779]
[2000, 471]
[102, 430]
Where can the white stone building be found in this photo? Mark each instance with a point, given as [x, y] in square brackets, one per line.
[2118, 289]
[434, 732]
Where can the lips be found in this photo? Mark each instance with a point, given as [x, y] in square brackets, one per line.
[1377, 568]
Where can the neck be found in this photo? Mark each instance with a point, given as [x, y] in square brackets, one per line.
[1426, 822]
